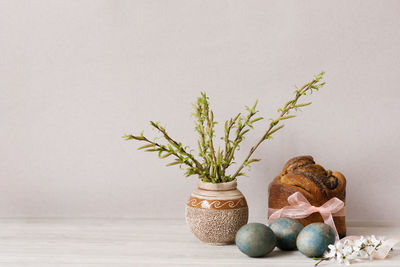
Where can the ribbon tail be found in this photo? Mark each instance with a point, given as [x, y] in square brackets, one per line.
[275, 215]
[384, 249]
[328, 219]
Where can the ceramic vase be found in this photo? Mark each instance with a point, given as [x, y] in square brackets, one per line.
[215, 212]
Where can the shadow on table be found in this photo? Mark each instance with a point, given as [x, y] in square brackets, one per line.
[279, 253]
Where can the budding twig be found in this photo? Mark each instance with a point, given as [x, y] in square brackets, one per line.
[292, 104]
[215, 162]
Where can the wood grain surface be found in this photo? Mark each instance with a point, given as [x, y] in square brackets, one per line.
[125, 242]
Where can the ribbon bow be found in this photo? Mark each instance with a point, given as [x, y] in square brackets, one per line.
[299, 208]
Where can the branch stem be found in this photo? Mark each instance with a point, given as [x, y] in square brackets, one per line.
[177, 145]
[287, 107]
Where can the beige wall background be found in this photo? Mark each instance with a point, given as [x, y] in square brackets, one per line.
[77, 75]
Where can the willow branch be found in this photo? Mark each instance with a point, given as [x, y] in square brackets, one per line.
[210, 131]
[176, 144]
[159, 146]
[273, 127]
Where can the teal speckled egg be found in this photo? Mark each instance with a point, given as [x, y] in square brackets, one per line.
[255, 239]
[286, 231]
[314, 239]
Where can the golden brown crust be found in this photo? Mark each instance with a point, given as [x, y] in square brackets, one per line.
[297, 162]
[314, 182]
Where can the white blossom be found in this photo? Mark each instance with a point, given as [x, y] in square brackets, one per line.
[331, 253]
[346, 251]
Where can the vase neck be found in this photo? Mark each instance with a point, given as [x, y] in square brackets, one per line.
[218, 187]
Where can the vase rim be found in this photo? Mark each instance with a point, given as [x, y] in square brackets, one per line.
[218, 186]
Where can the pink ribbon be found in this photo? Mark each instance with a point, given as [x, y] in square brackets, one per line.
[299, 208]
[384, 249]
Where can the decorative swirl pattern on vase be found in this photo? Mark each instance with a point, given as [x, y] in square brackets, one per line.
[217, 204]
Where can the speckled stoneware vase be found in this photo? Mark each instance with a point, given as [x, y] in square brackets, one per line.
[215, 212]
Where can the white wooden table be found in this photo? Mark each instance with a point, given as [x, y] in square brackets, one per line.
[123, 242]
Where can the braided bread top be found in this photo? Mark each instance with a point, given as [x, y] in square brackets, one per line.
[302, 173]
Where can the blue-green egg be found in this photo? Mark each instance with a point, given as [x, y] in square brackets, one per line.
[255, 239]
[314, 239]
[286, 231]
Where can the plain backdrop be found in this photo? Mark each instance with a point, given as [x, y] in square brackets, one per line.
[75, 76]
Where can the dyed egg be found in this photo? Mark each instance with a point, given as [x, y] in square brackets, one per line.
[255, 239]
[286, 231]
[314, 239]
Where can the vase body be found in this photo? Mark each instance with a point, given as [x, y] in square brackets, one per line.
[215, 212]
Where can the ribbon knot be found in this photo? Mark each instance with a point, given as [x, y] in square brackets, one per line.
[299, 208]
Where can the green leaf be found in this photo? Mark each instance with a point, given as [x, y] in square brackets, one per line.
[128, 137]
[244, 132]
[286, 117]
[146, 146]
[212, 173]
[173, 163]
[302, 105]
[237, 116]
[255, 105]
[257, 119]
[219, 158]
[277, 129]
[253, 160]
